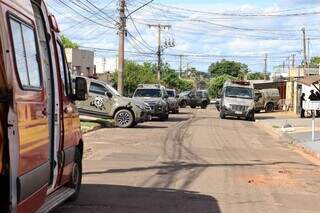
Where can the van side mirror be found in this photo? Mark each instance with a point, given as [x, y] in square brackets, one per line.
[166, 96]
[81, 89]
[109, 94]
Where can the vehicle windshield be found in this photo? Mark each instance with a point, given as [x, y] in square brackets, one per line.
[150, 93]
[171, 93]
[184, 93]
[239, 92]
[113, 90]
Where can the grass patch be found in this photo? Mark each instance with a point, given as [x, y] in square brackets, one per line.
[90, 125]
[275, 127]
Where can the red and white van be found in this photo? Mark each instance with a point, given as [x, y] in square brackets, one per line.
[40, 138]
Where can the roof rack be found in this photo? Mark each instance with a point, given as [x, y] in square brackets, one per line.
[241, 82]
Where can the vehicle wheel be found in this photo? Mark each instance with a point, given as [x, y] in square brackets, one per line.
[124, 118]
[204, 105]
[222, 115]
[250, 117]
[76, 176]
[164, 117]
[183, 104]
[193, 107]
[269, 107]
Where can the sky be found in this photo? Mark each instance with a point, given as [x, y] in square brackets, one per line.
[204, 31]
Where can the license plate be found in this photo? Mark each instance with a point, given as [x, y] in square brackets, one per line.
[238, 112]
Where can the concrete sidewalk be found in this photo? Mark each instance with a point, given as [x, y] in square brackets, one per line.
[300, 134]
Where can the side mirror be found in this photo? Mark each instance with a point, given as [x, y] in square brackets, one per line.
[81, 89]
[166, 96]
[109, 94]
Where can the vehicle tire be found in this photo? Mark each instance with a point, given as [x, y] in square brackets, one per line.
[76, 176]
[222, 115]
[193, 107]
[204, 105]
[183, 104]
[250, 117]
[164, 117]
[269, 107]
[124, 118]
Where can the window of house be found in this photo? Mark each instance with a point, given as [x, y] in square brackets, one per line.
[97, 89]
[26, 54]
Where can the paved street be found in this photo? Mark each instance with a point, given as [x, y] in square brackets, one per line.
[198, 163]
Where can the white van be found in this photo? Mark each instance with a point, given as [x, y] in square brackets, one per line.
[237, 100]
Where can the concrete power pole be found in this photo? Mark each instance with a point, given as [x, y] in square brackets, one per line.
[265, 66]
[293, 61]
[159, 52]
[122, 34]
[180, 69]
[304, 47]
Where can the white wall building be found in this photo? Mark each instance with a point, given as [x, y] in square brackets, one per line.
[105, 65]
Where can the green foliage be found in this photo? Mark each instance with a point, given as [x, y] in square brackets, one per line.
[216, 84]
[314, 62]
[136, 74]
[256, 76]
[224, 67]
[171, 79]
[67, 43]
[186, 84]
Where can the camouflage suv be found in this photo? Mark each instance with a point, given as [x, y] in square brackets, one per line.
[194, 98]
[105, 102]
[156, 97]
[173, 101]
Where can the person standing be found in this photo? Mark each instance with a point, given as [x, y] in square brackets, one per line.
[313, 96]
[302, 111]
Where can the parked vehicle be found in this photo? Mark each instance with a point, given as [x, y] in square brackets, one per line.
[267, 99]
[237, 100]
[197, 98]
[41, 145]
[105, 102]
[173, 101]
[156, 97]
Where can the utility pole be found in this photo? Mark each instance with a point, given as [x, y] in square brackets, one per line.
[308, 52]
[304, 47]
[122, 34]
[180, 70]
[265, 66]
[159, 52]
[293, 60]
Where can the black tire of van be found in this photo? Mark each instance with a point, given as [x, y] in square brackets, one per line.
[193, 106]
[269, 107]
[76, 176]
[222, 115]
[204, 105]
[164, 117]
[183, 104]
[250, 116]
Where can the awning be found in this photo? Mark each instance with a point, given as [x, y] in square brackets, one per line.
[310, 80]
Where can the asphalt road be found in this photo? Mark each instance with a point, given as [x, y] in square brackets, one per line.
[195, 163]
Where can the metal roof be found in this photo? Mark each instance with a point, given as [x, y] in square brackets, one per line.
[310, 80]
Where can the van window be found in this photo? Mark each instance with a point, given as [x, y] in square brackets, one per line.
[97, 89]
[26, 55]
[64, 71]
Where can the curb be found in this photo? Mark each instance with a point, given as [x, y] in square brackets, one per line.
[288, 138]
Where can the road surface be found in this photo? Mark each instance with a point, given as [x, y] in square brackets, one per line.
[195, 163]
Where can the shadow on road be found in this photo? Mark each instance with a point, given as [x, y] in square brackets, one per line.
[142, 126]
[126, 199]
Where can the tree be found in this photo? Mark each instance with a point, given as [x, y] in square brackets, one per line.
[314, 62]
[256, 76]
[224, 67]
[216, 84]
[67, 43]
[136, 74]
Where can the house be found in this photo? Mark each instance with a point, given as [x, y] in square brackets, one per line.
[81, 62]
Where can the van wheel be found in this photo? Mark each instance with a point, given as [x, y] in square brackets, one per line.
[204, 105]
[164, 117]
[76, 176]
[269, 107]
[183, 104]
[124, 118]
[193, 107]
[222, 115]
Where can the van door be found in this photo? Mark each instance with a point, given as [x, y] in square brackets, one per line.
[30, 108]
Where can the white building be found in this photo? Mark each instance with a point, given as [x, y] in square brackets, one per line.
[105, 65]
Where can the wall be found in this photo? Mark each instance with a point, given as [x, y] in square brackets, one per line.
[81, 62]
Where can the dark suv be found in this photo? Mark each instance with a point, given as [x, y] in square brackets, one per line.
[194, 99]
